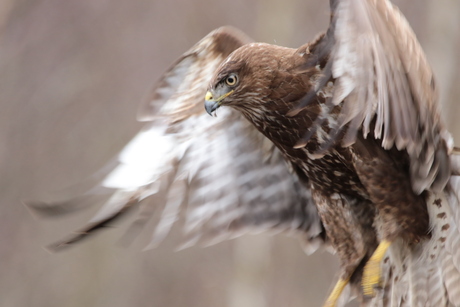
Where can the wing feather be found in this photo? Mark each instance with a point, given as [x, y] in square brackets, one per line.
[386, 87]
[386, 90]
[179, 92]
[220, 174]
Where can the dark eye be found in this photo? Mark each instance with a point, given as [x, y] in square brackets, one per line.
[231, 80]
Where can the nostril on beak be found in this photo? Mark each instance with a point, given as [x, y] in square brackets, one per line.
[208, 96]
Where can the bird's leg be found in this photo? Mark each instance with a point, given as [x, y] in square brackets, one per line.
[401, 213]
[348, 224]
[336, 292]
[372, 270]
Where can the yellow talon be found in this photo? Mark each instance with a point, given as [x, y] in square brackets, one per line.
[335, 294]
[372, 269]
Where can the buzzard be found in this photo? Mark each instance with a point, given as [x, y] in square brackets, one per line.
[339, 141]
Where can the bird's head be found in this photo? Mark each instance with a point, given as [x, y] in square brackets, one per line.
[243, 80]
[224, 88]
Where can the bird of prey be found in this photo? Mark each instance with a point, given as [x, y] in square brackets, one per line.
[339, 141]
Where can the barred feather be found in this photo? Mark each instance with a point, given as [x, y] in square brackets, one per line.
[355, 119]
[226, 177]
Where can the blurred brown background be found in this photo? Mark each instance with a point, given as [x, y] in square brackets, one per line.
[71, 76]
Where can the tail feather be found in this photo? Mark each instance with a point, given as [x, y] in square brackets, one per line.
[453, 246]
[437, 295]
[427, 274]
[451, 277]
[400, 284]
[418, 281]
[451, 259]
[442, 258]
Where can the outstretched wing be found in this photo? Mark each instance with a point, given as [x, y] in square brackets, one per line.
[221, 175]
[385, 87]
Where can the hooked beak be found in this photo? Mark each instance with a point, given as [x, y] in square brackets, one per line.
[211, 104]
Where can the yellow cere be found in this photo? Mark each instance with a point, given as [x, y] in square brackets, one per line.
[208, 96]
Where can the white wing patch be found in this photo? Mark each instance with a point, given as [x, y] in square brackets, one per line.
[220, 174]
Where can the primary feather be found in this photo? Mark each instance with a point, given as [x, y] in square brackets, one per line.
[358, 152]
[226, 177]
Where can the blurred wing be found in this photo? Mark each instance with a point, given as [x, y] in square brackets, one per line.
[385, 86]
[180, 91]
[220, 174]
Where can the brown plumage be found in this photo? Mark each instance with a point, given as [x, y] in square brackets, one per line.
[228, 178]
[354, 113]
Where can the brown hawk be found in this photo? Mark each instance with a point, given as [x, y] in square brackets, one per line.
[339, 141]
